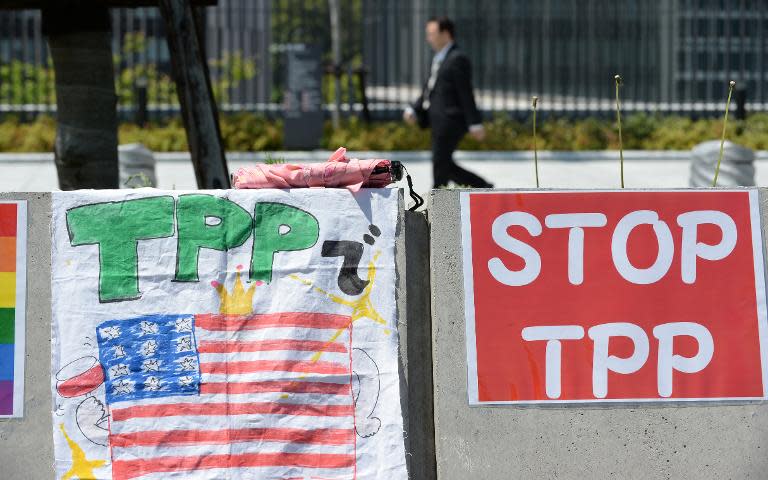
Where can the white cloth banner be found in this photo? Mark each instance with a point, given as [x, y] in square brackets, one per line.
[225, 334]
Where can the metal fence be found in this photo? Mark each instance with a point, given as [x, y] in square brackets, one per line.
[674, 55]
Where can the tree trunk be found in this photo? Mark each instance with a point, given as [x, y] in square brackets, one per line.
[333, 7]
[86, 135]
[198, 107]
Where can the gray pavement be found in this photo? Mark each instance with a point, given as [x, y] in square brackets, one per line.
[36, 172]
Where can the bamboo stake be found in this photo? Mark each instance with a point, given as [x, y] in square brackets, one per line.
[618, 81]
[534, 101]
[725, 124]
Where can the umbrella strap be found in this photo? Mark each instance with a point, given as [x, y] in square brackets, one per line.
[418, 201]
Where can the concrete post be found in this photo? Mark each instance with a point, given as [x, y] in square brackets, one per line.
[648, 442]
[26, 445]
[415, 329]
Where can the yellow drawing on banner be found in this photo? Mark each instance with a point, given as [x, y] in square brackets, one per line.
[82, 468]
[362, 307]
[240, 301]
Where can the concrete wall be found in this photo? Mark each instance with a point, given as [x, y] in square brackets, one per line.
[26, 445]
[471, 443]
[415, 329]
[661, 442]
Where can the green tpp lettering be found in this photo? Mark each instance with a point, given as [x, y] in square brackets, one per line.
[205, 221]
[279, 228]
[116, 227]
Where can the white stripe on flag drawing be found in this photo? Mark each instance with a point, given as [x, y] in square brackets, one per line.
[270, 405]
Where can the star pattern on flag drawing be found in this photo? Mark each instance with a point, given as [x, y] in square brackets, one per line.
[150, 357]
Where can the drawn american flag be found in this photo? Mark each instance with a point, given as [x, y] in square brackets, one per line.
[229, 396]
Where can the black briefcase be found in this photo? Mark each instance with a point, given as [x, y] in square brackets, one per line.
[422, 116]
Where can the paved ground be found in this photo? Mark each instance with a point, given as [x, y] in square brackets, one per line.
[556, 170]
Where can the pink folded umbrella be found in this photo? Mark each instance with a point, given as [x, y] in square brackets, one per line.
[338, 171]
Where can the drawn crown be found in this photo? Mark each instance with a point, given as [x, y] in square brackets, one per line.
[240, 300]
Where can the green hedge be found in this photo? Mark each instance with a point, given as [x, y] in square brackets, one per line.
[249, 132]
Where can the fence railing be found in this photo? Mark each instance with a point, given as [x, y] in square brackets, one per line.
[674, 55]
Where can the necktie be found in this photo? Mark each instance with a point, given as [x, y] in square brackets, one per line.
[431, 82]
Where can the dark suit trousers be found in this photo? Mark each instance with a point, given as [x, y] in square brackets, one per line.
[444, 169]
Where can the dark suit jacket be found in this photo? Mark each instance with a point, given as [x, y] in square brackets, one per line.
[452, 104]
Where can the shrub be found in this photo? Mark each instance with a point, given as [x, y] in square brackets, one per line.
[37, 136]
[170, 137]
[555, 134]
[590, 134]
[252, 132]
[636, 130]
[356, 135]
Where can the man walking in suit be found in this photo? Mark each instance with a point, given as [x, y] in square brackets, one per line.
[447, 105]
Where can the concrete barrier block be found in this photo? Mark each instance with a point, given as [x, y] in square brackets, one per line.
[415, 329]
[26, 445]
[634, 442]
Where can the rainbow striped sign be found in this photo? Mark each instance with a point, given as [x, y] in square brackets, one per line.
[13, 282]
